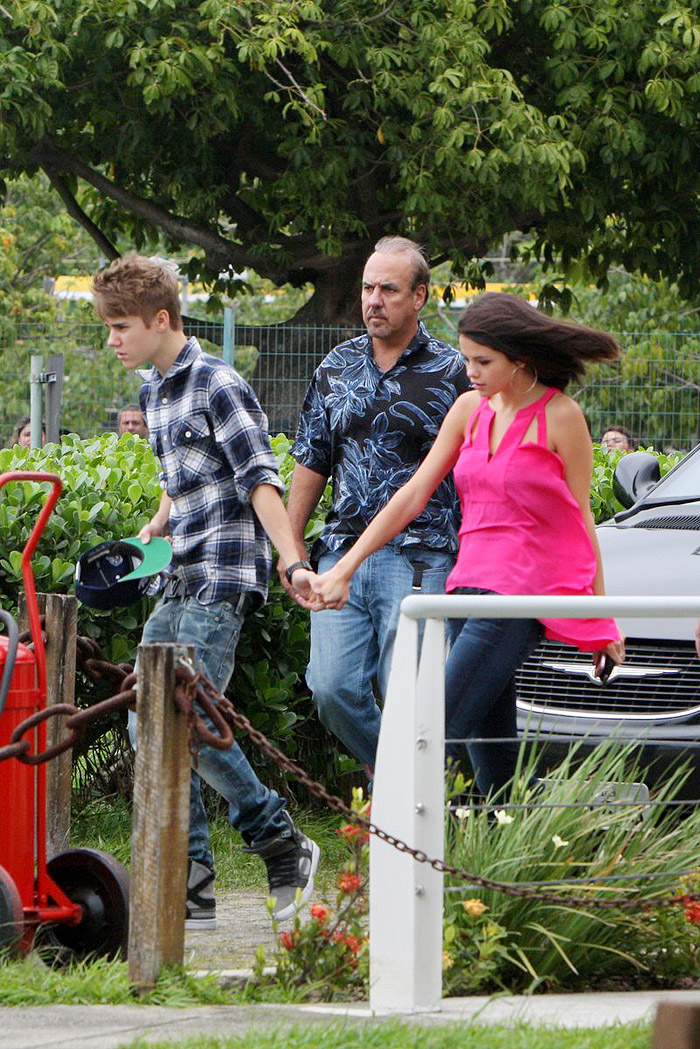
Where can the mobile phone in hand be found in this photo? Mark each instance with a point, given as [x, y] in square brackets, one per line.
[604, 668]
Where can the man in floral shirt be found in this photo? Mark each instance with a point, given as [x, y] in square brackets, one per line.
[371, 413]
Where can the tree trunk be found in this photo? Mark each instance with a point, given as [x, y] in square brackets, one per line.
[289, 352]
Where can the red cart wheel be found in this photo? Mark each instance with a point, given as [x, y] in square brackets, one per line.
[11, 914]
[100, 884]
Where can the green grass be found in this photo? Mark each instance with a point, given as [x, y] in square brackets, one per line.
[28, 981]
[106, 824]
[395, 1035]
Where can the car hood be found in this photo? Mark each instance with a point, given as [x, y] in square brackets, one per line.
[658, 561]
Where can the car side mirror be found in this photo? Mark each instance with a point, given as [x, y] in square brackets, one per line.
[635, 475]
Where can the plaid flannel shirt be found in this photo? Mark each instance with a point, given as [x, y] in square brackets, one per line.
[210, 434]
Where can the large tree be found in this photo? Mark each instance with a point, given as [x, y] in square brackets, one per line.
[287, 135]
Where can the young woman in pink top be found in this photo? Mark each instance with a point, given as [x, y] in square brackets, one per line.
[522, 459]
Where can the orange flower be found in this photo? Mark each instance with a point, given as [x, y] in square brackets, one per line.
[350, 831]
[353, 943]
[319, 912]
[474, 907]
[349, 883]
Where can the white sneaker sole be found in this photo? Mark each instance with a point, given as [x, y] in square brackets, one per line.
[290, 910]
[199, 924]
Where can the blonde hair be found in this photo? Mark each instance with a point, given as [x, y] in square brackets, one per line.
[134, 285]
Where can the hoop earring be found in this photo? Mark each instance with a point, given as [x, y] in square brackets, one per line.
[533, 383]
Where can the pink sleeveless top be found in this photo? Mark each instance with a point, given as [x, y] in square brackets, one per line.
[522, 530]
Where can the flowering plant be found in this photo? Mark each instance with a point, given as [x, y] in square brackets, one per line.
[560, 838]
[324, 955]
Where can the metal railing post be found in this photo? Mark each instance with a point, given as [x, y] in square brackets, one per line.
[229, 335]
[36, 398]
[406, 896]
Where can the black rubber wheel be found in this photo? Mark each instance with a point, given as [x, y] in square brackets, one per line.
[100, 884]
[11, 914]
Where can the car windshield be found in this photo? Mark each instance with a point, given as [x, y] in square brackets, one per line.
[683, 482]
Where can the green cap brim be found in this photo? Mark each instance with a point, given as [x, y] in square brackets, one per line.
[157, 555]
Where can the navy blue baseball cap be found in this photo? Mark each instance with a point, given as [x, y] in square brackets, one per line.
[118, 572]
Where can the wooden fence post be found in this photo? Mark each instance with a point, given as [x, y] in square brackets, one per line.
[677, 1026]
[61, 612]
[161, 819]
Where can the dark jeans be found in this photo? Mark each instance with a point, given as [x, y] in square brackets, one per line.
[480, 691]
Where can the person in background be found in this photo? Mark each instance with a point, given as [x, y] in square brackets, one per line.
[130, 420]
[522, 459]
[617, 439]
[22, 434]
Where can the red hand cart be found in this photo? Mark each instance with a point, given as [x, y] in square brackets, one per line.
[79, 899]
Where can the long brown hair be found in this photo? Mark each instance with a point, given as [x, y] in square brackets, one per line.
[556, 350]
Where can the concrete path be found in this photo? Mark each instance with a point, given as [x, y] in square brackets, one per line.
[243, 925]
[118, 1026]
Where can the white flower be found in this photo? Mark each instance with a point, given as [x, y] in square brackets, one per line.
[502, 816]
[462, 814]
[558, 842]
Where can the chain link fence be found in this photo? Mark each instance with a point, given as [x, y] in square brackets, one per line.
[654, 390]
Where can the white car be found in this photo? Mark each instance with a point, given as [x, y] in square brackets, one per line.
[653, 547]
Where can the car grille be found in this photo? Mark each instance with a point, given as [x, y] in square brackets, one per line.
[556, 692]
[678, 522]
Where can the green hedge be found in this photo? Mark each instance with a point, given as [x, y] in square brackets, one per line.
[110, 491]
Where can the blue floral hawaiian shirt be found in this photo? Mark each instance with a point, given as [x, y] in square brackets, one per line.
[370, 430]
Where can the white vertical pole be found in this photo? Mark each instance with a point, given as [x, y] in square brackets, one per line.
[430, 815]
[36, 399]
[229, 334]
[405, 896]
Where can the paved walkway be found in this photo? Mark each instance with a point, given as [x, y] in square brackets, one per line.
[243, 925]
[118, 1026]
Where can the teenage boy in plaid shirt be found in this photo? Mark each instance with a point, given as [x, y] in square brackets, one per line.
[221, 500]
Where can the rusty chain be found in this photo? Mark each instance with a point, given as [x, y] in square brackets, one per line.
[193, 688]
[91, 659]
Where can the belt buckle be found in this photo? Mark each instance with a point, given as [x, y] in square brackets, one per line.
[175, 587]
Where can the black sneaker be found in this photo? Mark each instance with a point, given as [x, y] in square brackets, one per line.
[201, 903]
[291, 861]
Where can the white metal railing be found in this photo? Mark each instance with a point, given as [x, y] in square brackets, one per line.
[406, 902]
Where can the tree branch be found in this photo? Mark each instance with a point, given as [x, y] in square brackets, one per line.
[220, 252]
[75, 211]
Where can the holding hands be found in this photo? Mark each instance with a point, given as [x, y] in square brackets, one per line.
[315, 592]
[300, 589]
[332, 588]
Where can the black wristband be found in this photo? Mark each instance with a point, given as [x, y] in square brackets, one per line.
[289, 572]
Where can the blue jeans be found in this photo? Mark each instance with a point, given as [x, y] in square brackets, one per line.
[480, 692]
[214, 629]
[353, 646]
